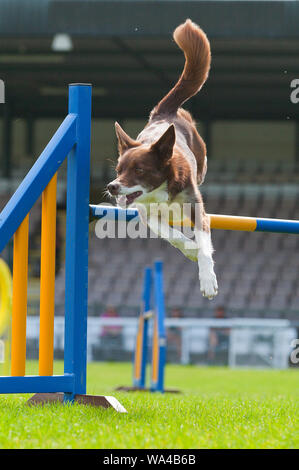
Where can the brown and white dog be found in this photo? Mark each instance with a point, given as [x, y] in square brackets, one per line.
[167, 162]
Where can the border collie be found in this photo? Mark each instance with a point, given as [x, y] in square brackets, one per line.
[167, 161]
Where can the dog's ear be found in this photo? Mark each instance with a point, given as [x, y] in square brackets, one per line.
[124, 140]
[164, 146]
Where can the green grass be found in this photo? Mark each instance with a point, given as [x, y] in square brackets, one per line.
[219, 408]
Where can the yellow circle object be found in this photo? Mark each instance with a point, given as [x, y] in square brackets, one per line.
[5, 296]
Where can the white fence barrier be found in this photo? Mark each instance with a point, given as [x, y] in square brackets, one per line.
[250, 342]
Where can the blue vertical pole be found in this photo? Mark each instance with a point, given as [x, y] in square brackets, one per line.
[77, 229]
[160, 313]
[146, 307]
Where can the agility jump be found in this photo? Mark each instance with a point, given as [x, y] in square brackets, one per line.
[152, 311]
[72, 140]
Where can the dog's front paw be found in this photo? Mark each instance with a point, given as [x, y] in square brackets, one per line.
[209, 286]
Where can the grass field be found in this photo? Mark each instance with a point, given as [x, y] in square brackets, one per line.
[219, 408]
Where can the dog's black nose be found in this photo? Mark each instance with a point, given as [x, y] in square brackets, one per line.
[113, 188]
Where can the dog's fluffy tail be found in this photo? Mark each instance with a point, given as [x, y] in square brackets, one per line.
[196, 47]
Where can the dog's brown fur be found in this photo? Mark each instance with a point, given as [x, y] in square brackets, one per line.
[167, 161]
[149, 161]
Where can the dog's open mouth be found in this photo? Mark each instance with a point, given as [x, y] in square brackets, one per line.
[131, 197]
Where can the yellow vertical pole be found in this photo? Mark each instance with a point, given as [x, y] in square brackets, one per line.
[47, 278]
[138, 352]
[19, 299]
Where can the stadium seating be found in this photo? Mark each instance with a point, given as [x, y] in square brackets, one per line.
[257, 272]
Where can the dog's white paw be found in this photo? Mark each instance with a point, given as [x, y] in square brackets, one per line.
[209, 286]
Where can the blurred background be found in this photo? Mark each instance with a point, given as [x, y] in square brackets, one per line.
[251, 128]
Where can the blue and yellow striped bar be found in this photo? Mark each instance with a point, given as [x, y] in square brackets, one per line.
[254, 224]
[220, 222]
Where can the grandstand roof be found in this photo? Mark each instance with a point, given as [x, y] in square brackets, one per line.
[125, 49]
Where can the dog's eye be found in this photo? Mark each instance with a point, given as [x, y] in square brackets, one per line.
[139, 170]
